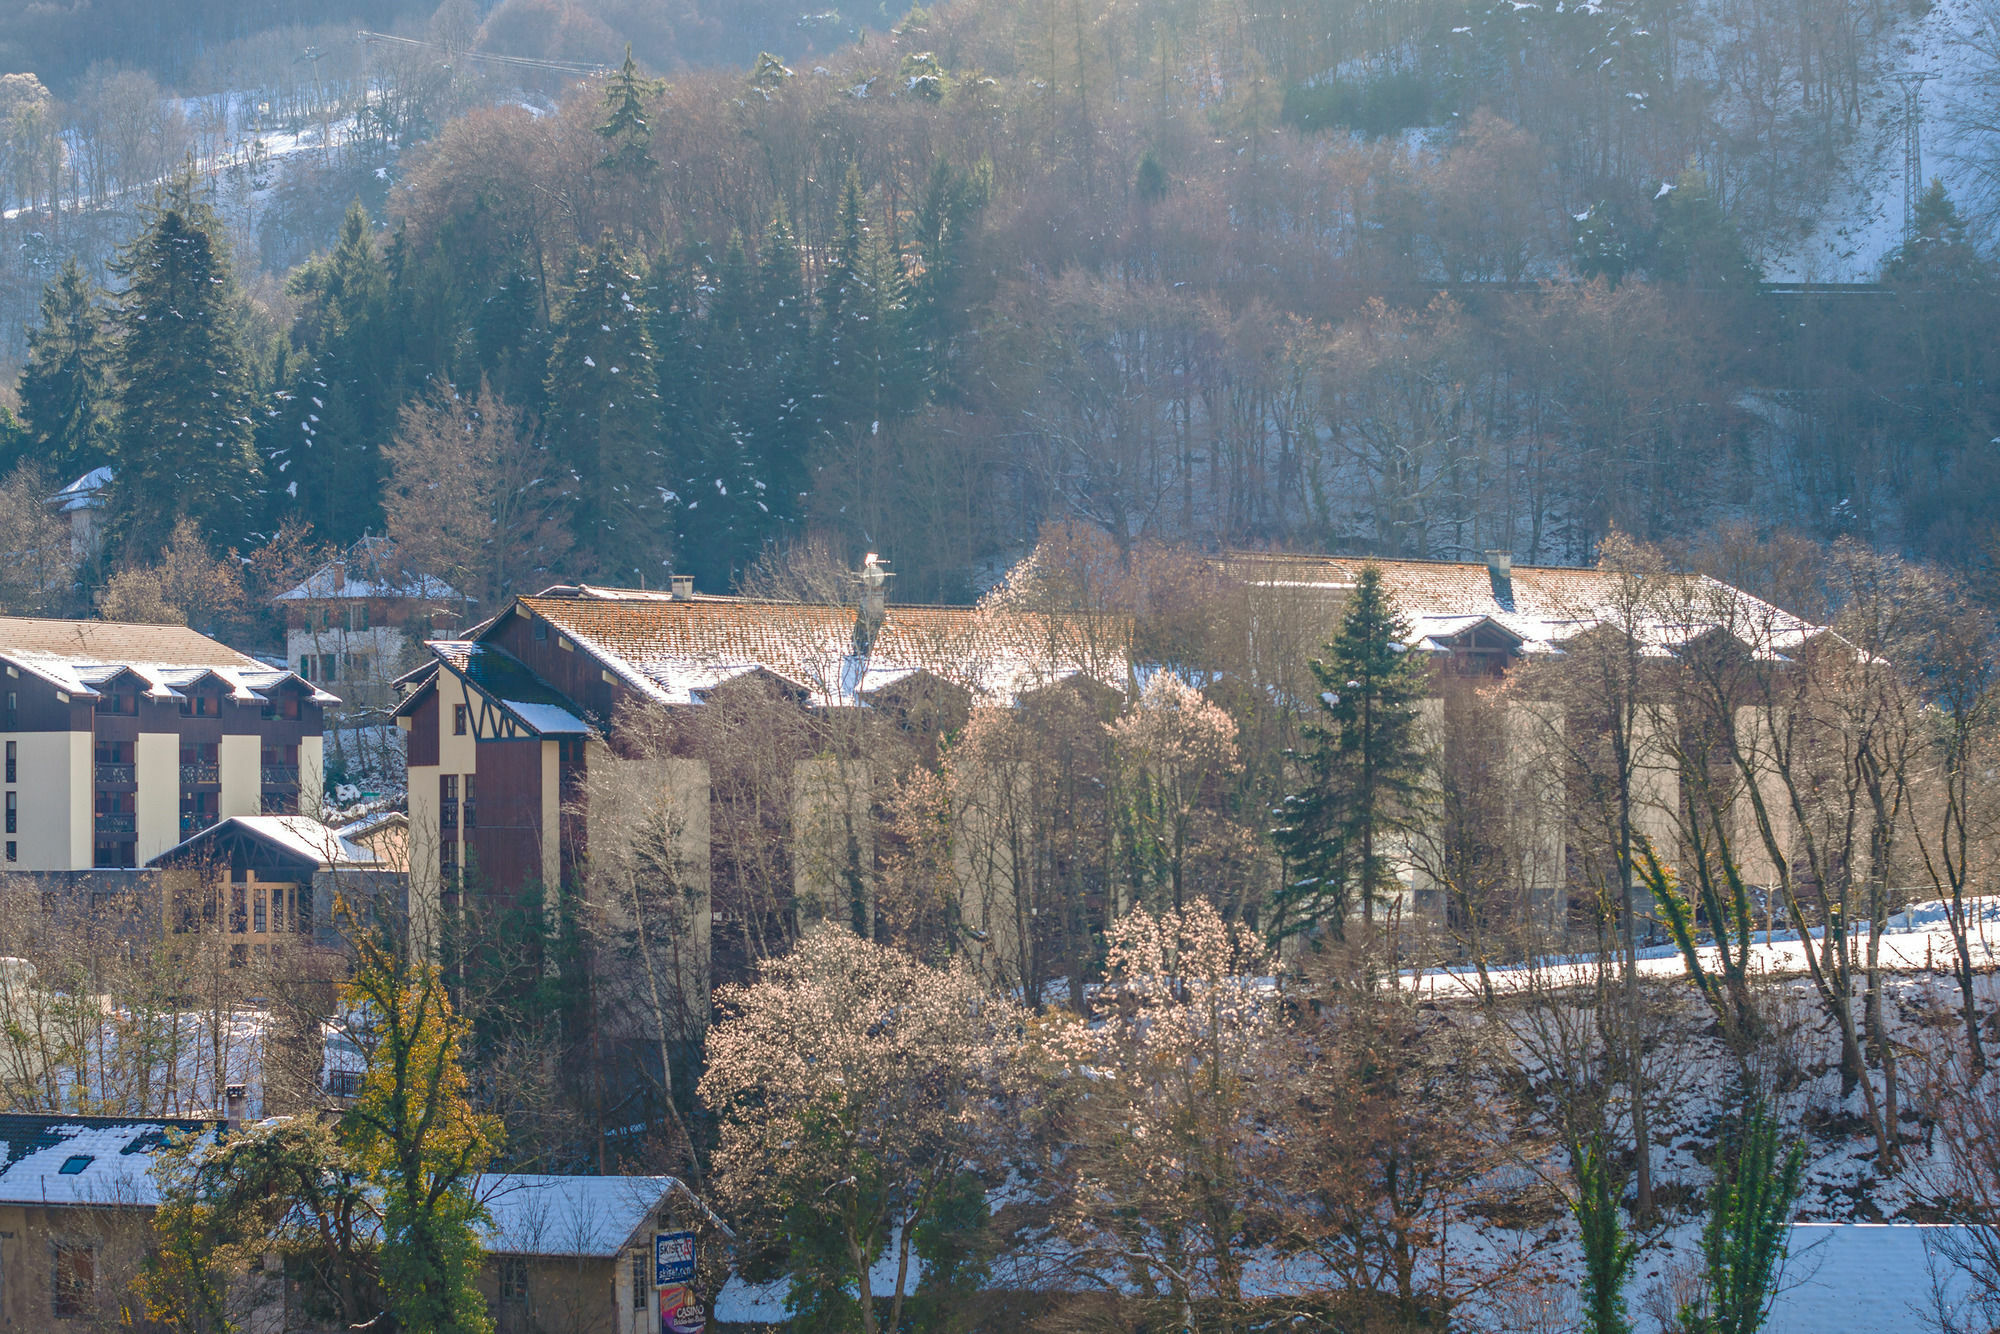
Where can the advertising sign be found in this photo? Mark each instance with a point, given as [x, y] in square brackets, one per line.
[680, 1313]
[673, 1258]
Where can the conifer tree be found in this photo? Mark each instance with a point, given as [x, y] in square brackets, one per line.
[723, 505]
[866, 365]
[184, 447]
[340, 404]
[1362, 771]
[782, 409]
[604, 418]
[66, 387]
[625, 125]
[1608, 1252]
[1743, 1242]
[1696, 242]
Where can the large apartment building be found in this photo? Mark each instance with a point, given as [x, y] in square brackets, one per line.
[120, 741]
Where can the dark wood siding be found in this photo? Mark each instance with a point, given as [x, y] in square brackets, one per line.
[575, 672]
[504, 843]
[37, 707]
[423, 733]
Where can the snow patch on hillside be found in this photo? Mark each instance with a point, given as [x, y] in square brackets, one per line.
[1861, 219]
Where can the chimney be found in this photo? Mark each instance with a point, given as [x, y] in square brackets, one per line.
[235, 1105]
[874, 601]
[683, 585]
[1500, 569]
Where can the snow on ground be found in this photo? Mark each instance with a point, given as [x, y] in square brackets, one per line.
[1861, 220]
[1918, 940]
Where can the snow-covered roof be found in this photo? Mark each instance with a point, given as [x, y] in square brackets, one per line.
[1540, 606]
[679, 650]
[371, 823]
[297, 836]
[85, 493]
[594, 1216]
[81, 656]
[85, 1160]
[338, 580]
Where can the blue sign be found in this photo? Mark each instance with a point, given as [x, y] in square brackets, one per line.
[673, 1258]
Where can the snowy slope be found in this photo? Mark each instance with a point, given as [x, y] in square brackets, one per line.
[1861, 220]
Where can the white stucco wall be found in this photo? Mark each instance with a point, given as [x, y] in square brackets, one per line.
[156, 761]
[241, 760]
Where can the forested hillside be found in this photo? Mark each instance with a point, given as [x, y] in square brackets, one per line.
[1420, 279]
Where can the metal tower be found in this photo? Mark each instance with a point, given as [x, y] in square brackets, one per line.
[1912, 83]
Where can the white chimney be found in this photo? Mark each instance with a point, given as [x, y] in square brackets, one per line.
[683, 585]
[235, 1105]
[1500, 569]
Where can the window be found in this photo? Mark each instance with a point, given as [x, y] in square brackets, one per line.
[74, 1279]
[13, 851]
[358, 665]
[302, 910]
[329, 667]
[513, 1279]
[239, 917]
[306, 666]
[541, 632]
[13, 700]
[470, 805]
[13, 812]
[258, 922]
[458, 720]
[642, 1280]
[13, 761]
[74, 1165]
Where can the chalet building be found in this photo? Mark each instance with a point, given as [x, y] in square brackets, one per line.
[82, 504]
[268, 884]
[1476, 620]
[122, 740]
[356, 624]
[507, 727]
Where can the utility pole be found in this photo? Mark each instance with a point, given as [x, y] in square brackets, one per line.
[313, 55]
[1912, 83]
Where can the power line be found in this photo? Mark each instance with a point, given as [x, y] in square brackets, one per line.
[492, 58]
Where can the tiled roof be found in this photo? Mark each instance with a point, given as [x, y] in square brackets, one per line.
[80, 656]
[1541, 605]
[678, 649]
[117, 641]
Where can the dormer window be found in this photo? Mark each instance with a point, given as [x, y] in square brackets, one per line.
[75, 1163]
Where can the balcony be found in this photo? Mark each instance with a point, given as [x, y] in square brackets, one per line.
[117, 822]
[115, 774]
[281, 775]
[195, 775]
[194, 824]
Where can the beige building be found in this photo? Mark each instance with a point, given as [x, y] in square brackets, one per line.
[356, 624]
[119, 741]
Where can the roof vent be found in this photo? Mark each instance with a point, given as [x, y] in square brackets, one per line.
[683, 585]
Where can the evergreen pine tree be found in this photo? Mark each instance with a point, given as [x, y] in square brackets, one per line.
[781, 410]
[625, 125]
[1938, 249]
[868, 369]
[1363, 770]
[723, 508]
[1696, 242]
[184, 446]
[604, 418]
[66, 397]
[945, 220]
[1743, 1241]
[1608, 1252]
[341, 399]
